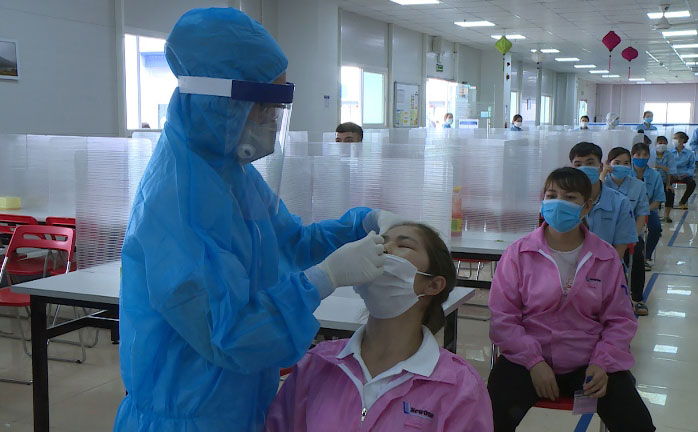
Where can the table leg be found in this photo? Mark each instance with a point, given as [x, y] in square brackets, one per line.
[39, 364]
[451, 331]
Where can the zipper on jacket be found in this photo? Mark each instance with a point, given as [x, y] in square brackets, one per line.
[364, 411]
[579, 266]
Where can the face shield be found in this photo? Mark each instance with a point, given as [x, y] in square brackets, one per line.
[263, 136]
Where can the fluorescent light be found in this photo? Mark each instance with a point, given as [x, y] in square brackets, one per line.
[584, 66]
[691, 63]
[683, 46]
[636, 79]
[610, 76]
[670, 349]
[511, 36]
[474, 23]
[534, 50]
[415, 2]
[567, 59]
[550, 51]
[680, 33]
[675, 14]
[599, 71]
[644, 82]
[683, 56]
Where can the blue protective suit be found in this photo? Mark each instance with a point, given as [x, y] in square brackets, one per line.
[213, 298]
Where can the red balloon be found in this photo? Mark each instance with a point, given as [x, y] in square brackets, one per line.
[611, 40]
[629, 53]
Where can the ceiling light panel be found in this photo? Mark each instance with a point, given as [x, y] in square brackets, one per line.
[676, 33]
[674, 14]
[598, 71]
[684, 46]
[566, 59]
[510, 36]
[584, 66]
[474, 23]
[550, 51]
[610, 76]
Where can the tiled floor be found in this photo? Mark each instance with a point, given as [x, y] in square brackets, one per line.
[85, 397]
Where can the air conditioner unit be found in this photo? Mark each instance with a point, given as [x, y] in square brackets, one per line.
[437, 45]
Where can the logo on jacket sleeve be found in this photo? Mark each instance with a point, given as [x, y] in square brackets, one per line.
[416, 412]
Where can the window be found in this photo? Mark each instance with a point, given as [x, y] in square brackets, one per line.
[149, 82]
[670, 112]
[441, 99]
[545, 109]
[514, 104]
[362, 96]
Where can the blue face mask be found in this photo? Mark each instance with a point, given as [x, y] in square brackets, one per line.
[649, 120]
[562, 216]
[592, 172]
[640, 162]
[621, 171]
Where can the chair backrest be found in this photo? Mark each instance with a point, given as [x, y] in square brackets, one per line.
[61, 221]
[8, 222]
[35, 236]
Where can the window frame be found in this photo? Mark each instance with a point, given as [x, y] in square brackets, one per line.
[549, 100]
[363, 69]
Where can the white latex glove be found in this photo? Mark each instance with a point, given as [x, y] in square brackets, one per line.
[381, 221]
[355, 263]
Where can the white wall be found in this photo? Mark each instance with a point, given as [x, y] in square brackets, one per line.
[446, 59]
[407, 60]
[159, 16]
[628, 100]
[468, 69]
[565, 100]
[67, 80]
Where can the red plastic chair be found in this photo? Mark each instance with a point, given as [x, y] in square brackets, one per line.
[61, 221]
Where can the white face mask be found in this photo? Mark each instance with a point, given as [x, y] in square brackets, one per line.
[675, 143]
[449, 121]
[392, 294]
[518, 124]
[585, 125]
[661, 148]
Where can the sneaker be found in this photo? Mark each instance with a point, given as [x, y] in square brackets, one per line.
[641, 309]
[683, 206]
[667, 220]
[648, 266]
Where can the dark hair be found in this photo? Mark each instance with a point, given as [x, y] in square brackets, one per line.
[571, 180]
[662, 138]
[440, 264]
[351, 127]
[615, 152]
[647, 112]
[583, 149]
[648, 140]
[640, 147]
[447, 115]
[518, 116]
[682, 137]
[584, 117]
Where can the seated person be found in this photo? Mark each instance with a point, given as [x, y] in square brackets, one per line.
[646, 124]
[517, 123]
[349, 133]
[584, 123]
[665, 164]
[561, 317]
[685, 167]
[391, 374]
[448, 121]
[611, 216]
[655, 193]
[612, 121]
[618, 176]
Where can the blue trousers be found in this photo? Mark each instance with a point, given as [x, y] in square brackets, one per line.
[654, 228]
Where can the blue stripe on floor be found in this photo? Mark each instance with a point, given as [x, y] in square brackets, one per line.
[678, 229]
[583, 423]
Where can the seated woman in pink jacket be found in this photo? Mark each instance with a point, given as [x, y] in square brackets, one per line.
[391, 375]
[562, 318]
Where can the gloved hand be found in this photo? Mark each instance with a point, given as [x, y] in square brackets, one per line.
[355, 263]
[381, 221]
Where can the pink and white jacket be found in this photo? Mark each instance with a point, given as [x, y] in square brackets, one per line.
[533, 321]
[319, 395]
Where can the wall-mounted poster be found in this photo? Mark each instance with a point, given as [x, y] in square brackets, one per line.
[9, 60]
[406, 114]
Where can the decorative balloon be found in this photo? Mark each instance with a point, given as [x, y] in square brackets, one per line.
[629, 54]
[503, 45]
[611, 40]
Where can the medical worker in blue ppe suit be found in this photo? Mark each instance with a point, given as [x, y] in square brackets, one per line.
[219, 280]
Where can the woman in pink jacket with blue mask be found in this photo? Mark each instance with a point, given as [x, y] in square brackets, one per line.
[562, 318]
[391, 375]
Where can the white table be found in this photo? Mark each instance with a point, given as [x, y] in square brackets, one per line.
[94, 288]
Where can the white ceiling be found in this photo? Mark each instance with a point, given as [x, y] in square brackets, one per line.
[575, 27]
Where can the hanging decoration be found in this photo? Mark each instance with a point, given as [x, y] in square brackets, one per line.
[503, 45]
[629, 54]
[611, 40]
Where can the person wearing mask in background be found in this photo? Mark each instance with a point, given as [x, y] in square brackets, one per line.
[391, 375]
[448, 121]
[611, 216]
[561, 318]
[517, 123]
[655, 193]
[219, 280]
[612, 121]
[665, 164]
[685, 167]
[647, 119]
[349, 133]
[693, 144]
[618, 176]
[584, 123]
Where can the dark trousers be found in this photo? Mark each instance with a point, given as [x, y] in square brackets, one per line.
[512, 393]
[654, 232]
[637, 271]
[690, 187]
[669, 196]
